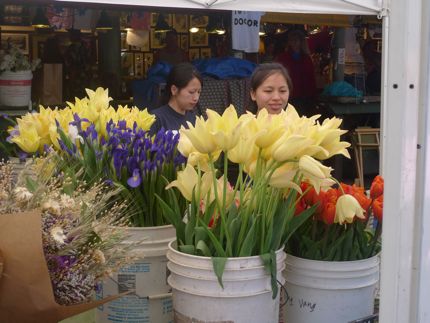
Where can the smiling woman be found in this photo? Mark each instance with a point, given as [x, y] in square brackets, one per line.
[270, 87]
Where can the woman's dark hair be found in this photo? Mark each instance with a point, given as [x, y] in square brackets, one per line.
[263, 71]
[180, 75]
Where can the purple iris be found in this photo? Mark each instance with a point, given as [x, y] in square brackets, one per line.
[77, 121]
[135, 180]
[64, 147]
[22, 156]
[13, 133]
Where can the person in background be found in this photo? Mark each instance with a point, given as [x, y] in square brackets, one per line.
[299, 64]
[77, 67]
[269, 50]
[171, 53]
[270, 87]
[372, 59]
[51, 52]
[183, 88]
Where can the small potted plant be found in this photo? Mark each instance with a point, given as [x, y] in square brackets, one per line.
[16, 75]
[337, 250]
[229, 243]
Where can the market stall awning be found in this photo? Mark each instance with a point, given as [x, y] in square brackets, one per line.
[339, 7]
[315, 19]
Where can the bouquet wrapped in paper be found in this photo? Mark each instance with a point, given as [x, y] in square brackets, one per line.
[56, 240]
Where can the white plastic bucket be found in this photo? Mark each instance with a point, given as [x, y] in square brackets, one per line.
[329, 291]
[152, 301]
[245, 298]
[15, 88]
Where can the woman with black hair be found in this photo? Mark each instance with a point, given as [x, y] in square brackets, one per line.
[183, 88]
[270, 87]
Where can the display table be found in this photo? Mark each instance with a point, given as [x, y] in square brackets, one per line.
[13, 111]
[341, 109]
[355, 114]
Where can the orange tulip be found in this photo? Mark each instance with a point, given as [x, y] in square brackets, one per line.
[329, 213]
[377, 187]
[300, 207]
[378, 207]
[359, 194]
[310, 195]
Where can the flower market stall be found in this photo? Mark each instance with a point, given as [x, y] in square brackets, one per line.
[405, 133]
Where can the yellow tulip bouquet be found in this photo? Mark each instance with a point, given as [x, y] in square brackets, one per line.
[35, 132]
[254, 215]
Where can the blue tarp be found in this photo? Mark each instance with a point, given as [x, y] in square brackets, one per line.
[145, 92]
[342, 88]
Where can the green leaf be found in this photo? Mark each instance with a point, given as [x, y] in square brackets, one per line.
[217, 245]
[200, 234]
[189, 230]
[234, 232]
[203, 247]
[210, 210]
[249, 241]
[269, 261]
[335, 249]
[347, 245]
[295, 223]
[186, 248]
[218, 264]
[169, 213]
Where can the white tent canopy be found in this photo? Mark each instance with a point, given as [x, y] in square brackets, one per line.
[340, 7]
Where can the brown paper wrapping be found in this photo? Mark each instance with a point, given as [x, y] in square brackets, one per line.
[26, 294]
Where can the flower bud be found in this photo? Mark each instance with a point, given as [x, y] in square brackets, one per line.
[347, 207]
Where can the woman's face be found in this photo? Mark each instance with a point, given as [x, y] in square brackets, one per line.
[272, 94]
[186, 98]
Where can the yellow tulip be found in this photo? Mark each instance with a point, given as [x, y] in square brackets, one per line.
[335, 148]
[104, 117]
[200, 137]
[64, 117]
[187, 181]
[315, 172]
[245, 150]
[250, 167]
[80, 106]
[220, 191]
[28, 139]
[313, 167]
[185, 147]
[195, 158]
[98, 99]
[328, 137]
[283, 177]
[347, 207]
[225, 129]
[290, 147]
[53, 134]
[270, 128]
[200, 160]
[291, 113]
[144, 119]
